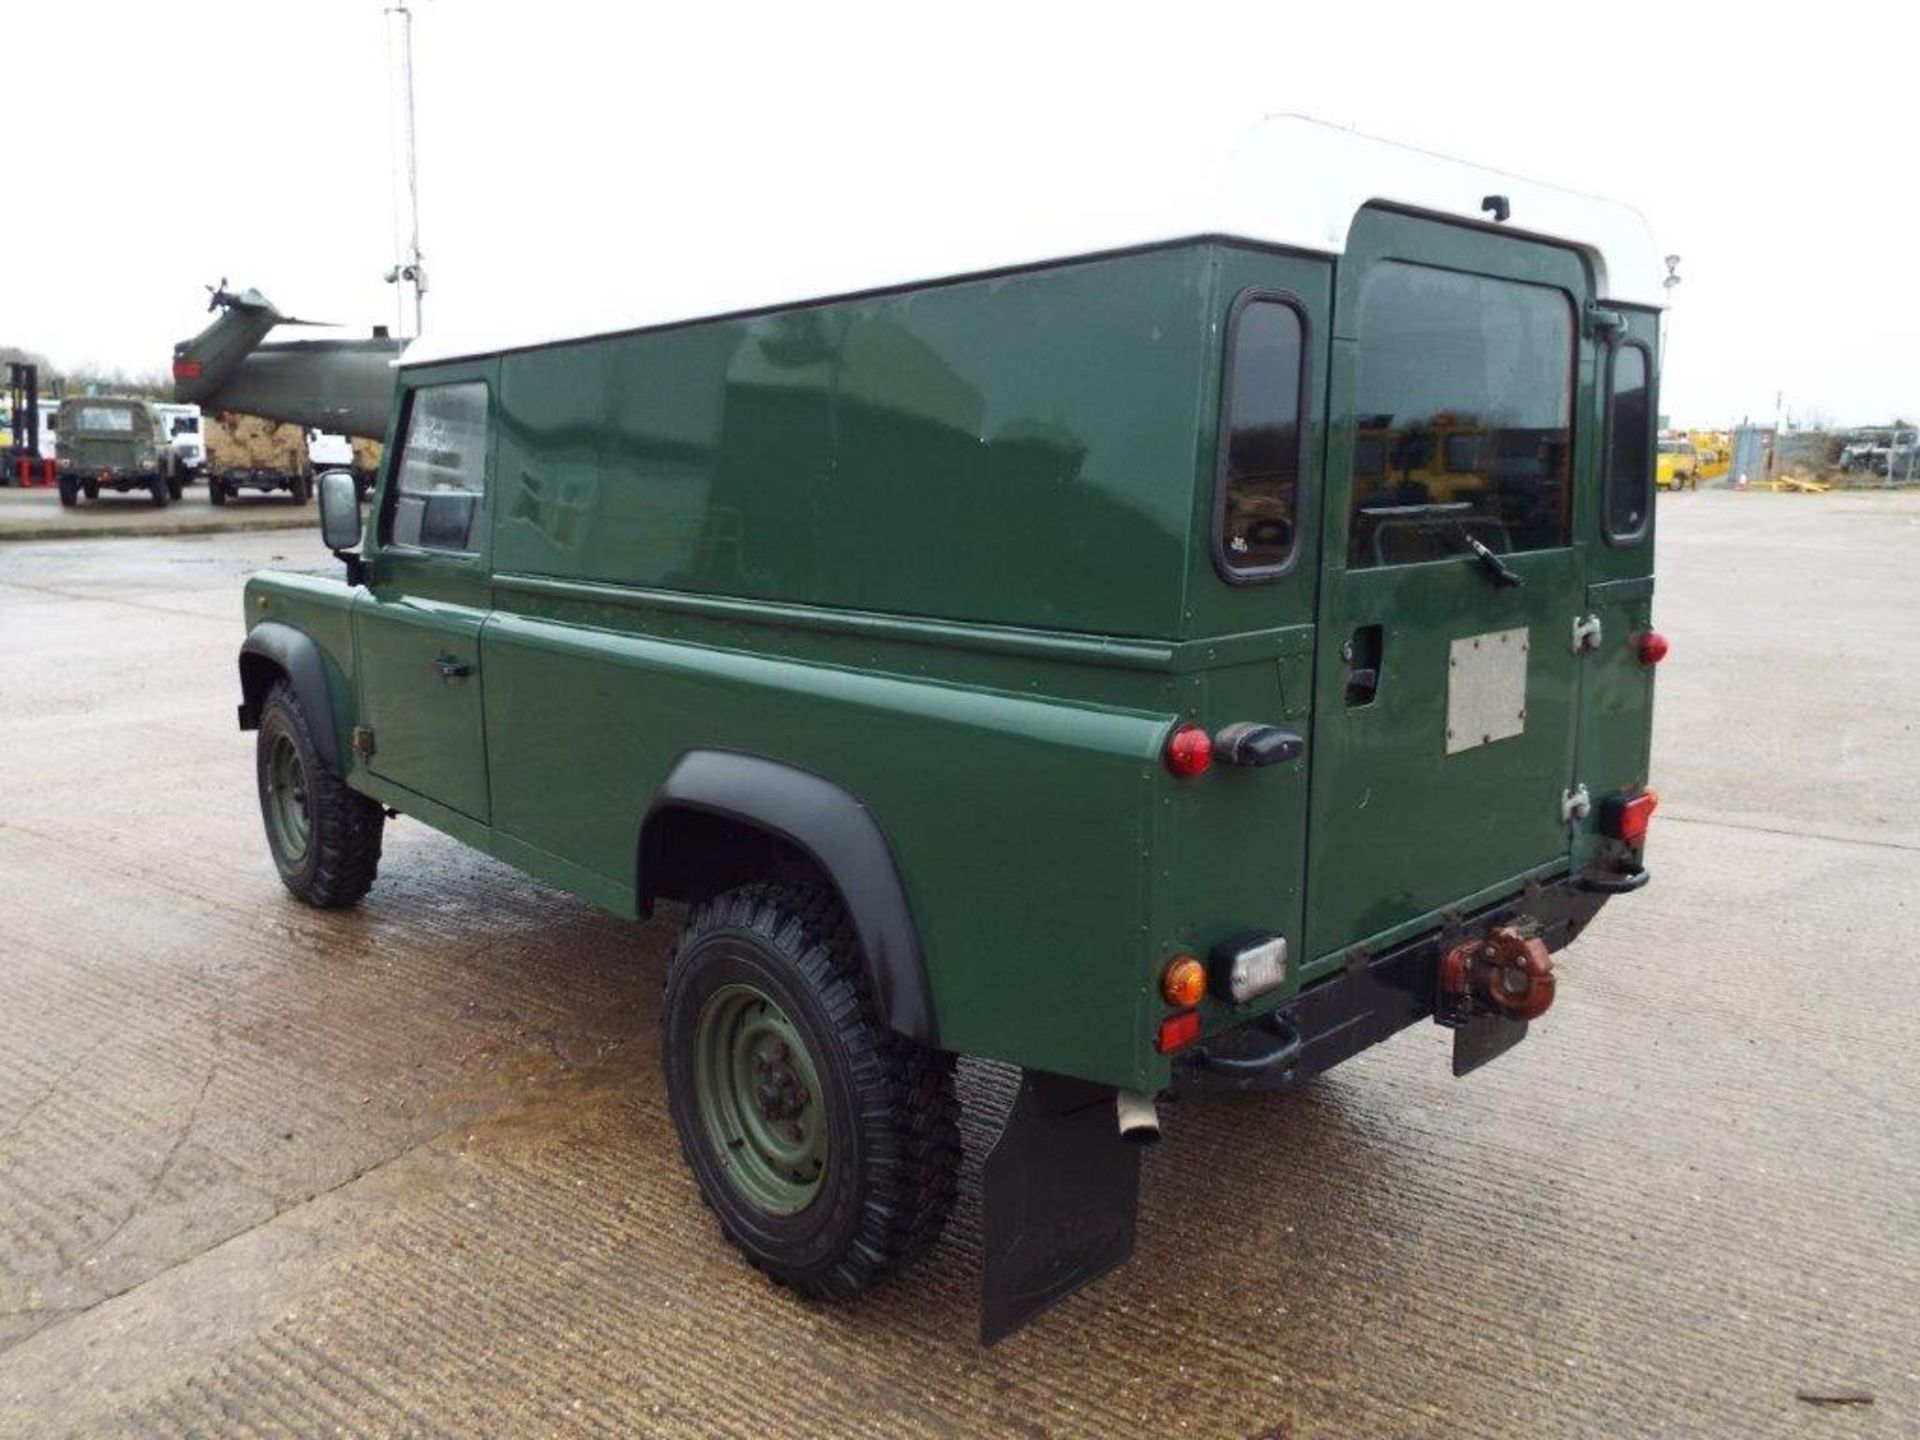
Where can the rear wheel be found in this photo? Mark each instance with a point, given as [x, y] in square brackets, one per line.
[91, 489]
[325, 838]
[302, 489]
[69, 492]
[157, 490]
[827, 1145]
[216, 492]
[174, 486]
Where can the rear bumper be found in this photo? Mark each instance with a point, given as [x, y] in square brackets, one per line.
[1374, 997]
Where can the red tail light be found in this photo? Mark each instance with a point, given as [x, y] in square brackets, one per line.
[186, 369]
[1652, 647]
[1178, 1031]
[1625, 817]
[1190, 752]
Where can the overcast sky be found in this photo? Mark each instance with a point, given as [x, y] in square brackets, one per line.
[579, 161]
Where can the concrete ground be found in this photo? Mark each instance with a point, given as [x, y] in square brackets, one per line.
[36, 513]
[408, 1170]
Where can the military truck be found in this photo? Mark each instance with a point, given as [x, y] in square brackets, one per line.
[113, 442]
[1025, 662]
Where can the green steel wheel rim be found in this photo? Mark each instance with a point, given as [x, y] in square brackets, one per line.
[759, 1098]
[287, 800]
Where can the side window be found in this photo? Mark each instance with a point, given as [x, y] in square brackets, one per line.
[1257, 505]
[1629, 472]
[442, 475]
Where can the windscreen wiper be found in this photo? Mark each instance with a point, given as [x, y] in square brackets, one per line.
[1504, 576]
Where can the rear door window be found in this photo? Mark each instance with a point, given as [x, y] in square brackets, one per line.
[442, 475]
[1256, 518]
[1629, 464]
[1464, 405]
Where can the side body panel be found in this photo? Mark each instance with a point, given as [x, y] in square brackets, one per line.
[932, 546]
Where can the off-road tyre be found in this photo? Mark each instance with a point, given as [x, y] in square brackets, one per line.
[216, 492]
[892, 1159]
[341, 856]
[69, 491]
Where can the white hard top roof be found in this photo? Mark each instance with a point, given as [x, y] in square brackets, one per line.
[1289, 181]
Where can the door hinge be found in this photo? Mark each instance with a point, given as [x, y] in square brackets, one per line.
[363, 741]
[1601, 323]
[1575, 804]
[1586, 633]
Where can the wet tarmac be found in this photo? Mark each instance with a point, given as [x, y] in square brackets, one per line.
[408, 1170]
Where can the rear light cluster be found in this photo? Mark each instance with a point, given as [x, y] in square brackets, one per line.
[1624, 817]
[1651, 647]
[1241, 969]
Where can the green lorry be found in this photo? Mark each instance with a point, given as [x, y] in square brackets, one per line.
[1082, 662]
[113, 442]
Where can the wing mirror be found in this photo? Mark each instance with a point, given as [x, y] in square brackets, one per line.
[340, 521]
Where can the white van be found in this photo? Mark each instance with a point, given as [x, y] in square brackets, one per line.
[186, 441]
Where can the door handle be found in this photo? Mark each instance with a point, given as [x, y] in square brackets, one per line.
[452, 667]
[1362, 654]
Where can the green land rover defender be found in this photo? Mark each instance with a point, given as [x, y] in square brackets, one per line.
[113, 442]
[1185, 661]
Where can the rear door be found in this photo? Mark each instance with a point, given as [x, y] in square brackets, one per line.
[1445, 675]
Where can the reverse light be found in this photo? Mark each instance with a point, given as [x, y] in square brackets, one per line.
[1184, 982]
[1178, 1031]
[1189, 752]
[1249, 965]
[1651, 646]
[1624, 817]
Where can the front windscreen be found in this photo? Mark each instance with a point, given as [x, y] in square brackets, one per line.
[103, 418]
[1466, 392]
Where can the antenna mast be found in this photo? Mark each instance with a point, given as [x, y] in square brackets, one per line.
[408, 270]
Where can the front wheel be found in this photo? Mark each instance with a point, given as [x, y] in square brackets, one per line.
[69, 491]
[827, 1145]
[174, 486]
[324, 837]
[302, 489]
[157, 491]
[216, 492]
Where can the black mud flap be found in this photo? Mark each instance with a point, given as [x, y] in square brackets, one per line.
[1483, 1038]
[1061, 1190]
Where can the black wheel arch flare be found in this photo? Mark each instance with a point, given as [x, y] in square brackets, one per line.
[273, 647]
[831, 825]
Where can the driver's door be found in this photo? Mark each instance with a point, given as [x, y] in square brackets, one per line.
[417, 625]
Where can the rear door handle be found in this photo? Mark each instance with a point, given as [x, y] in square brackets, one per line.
[452, 667]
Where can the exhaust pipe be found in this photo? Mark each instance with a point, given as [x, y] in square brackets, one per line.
[1139, 1120]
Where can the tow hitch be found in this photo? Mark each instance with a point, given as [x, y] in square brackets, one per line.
[1490, 987]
